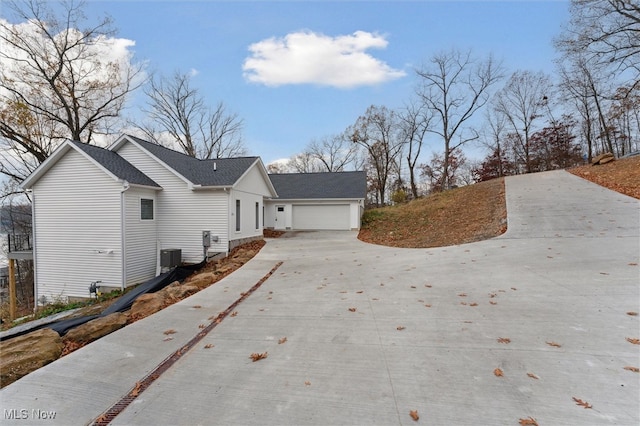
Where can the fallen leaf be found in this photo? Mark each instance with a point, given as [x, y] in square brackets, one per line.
[604, 273]
[462, 294]
[473, 304]
[634, 341]
[529, 421]
[413, 286]
[633, 264]
[352, 309]
[492, 295]
[208, 346]
[634, 369]
[492, 302]
[427, 305]
[400, 327]
[307, 383]
[170, 331]
[498, 372]
[582, 403]
[533, 376]
[504, 340]
[233, 314]
[513, 288]
[463, 303]
[554, 344]
[258, 356]
[360, 292]
[201, 326]
[281, 341]
[632, 313]
[414, 415]
[427, 285]
[166, 339]
[136, 390]
[196, 306]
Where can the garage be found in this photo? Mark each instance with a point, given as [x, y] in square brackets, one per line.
[321, 217]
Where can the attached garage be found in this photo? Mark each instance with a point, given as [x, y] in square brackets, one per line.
[322, 217]
[328, 201]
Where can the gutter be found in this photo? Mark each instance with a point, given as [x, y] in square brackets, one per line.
[123, 248]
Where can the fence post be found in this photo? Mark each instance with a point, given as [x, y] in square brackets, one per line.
[12, 290]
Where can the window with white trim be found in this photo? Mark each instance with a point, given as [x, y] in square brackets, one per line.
[146, 209]
[237, 215]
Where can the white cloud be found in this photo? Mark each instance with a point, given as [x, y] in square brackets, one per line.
[307, 57]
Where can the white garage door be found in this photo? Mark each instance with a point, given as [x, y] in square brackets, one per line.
[329, 217]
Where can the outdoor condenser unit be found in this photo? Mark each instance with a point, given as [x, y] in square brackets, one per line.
[170, 258]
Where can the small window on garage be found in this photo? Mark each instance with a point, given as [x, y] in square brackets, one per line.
[280, 208]
[146, 209]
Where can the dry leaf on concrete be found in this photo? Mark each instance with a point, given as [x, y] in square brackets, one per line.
[634, 341]
[529, 421]
[258, 356]
[281, 341]
[498, 372]
[414, 415]
[582, 403]
[504, 340]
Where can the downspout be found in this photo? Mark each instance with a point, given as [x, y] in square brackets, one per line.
[35, 257]
[228, 221]
[123, 217]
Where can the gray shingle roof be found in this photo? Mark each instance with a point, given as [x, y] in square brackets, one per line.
[214, 172]
[117, 165]
[320, 185]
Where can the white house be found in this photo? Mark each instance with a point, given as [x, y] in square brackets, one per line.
[108, 215]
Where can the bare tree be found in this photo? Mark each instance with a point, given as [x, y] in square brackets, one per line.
[335, 152]
[178, 111]
[414, 122]
[454, 85]
[57, 81]
[521, 101]
[607, 31]
[495, 131]
[305, 162]
[377, 132]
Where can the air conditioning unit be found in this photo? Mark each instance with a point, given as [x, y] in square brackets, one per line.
[170, 258]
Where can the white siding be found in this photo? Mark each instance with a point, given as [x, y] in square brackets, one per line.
[77, 229]
[251, 189]
[182, 214]
[247, 215]
[140, 238]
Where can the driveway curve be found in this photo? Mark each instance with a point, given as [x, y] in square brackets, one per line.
[535, 324]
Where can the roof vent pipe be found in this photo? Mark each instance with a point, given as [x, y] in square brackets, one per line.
[215, 166]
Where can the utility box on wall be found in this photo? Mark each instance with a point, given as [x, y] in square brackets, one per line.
[170, 258]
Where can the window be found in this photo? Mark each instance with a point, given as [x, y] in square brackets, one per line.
[237, 215]
[257, 215]
[146, 209]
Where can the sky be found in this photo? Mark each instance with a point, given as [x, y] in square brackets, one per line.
[296, 71]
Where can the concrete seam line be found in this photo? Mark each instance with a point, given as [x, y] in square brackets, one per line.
[110, 414]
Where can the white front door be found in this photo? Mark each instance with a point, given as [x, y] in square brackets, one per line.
[280, 218]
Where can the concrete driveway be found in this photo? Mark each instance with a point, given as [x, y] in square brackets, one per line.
[525, 326]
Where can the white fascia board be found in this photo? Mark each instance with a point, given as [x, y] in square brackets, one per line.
[123, 139]
[55, 157]
[265, 175]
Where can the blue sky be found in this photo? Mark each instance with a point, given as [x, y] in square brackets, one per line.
[283, 103]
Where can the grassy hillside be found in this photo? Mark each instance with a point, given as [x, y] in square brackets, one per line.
[475, 212]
